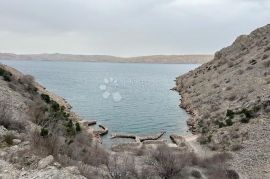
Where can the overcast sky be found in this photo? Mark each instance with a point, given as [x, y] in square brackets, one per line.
[127, 27]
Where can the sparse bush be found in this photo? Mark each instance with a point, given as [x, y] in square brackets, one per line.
[7, 77]
[196, 174]
[78, 127]
[221, 124]
[232, 97]
[230, 64]
[48, 145]
[267, 109]
[55, 106]
[230, 113]
[228, 88]
[6, 119]
[266, 63]
[46, 98]
[168, 164]
[232, 174]
[249, 68]
[265, 56]
[215, 85]
[6, 74]
[2, 71]
[240, 72]
[44, 132]
[244, 120]
[29, 83]
[267, 49]
[229, 122]
[247, 113]
[215, 160]
[121, 167]
[8, 138]
[203, 139]
[37, 114]
[236, 147]
[70, 129]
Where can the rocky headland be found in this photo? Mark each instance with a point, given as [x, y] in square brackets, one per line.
[229, 102]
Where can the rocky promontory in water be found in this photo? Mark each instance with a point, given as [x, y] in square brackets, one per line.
[229, 102]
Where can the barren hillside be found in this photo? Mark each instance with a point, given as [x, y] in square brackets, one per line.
[229, 99]
[191, 59]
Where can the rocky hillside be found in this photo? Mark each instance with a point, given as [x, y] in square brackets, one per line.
[39, 136]
[229, 99]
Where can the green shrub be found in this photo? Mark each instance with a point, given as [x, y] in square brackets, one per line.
[62, 108]
[230, 113]
[209, 137]
[45, 98]
[256, 108]
[205, 130]
[8, 138]
[245, 120]
[221, 124]
[66, 115]
[78, 127]
[7, 76]
[196, 174]
[204, 139]
[247, 113]
[55, 106]
[70, 128]
[2, 71]
[44, 132]
[70, 124]
[229, 122]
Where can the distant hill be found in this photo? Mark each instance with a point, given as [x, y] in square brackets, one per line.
[194, 59]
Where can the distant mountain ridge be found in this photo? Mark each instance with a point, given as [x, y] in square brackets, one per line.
[173, 59]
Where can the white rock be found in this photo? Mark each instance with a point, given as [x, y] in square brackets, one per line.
[3, 153]
[43, 163]
[16, 141]
[72, 169]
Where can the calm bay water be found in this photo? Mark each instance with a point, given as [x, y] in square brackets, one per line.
[126, 98]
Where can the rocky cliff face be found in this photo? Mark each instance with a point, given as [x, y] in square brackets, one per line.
[229, 99]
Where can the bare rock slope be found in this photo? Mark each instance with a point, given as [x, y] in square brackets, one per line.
[229, 99]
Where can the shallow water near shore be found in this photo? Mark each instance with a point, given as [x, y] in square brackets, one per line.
[125, 97]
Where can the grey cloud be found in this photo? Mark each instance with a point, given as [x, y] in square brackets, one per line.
[126, 27]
